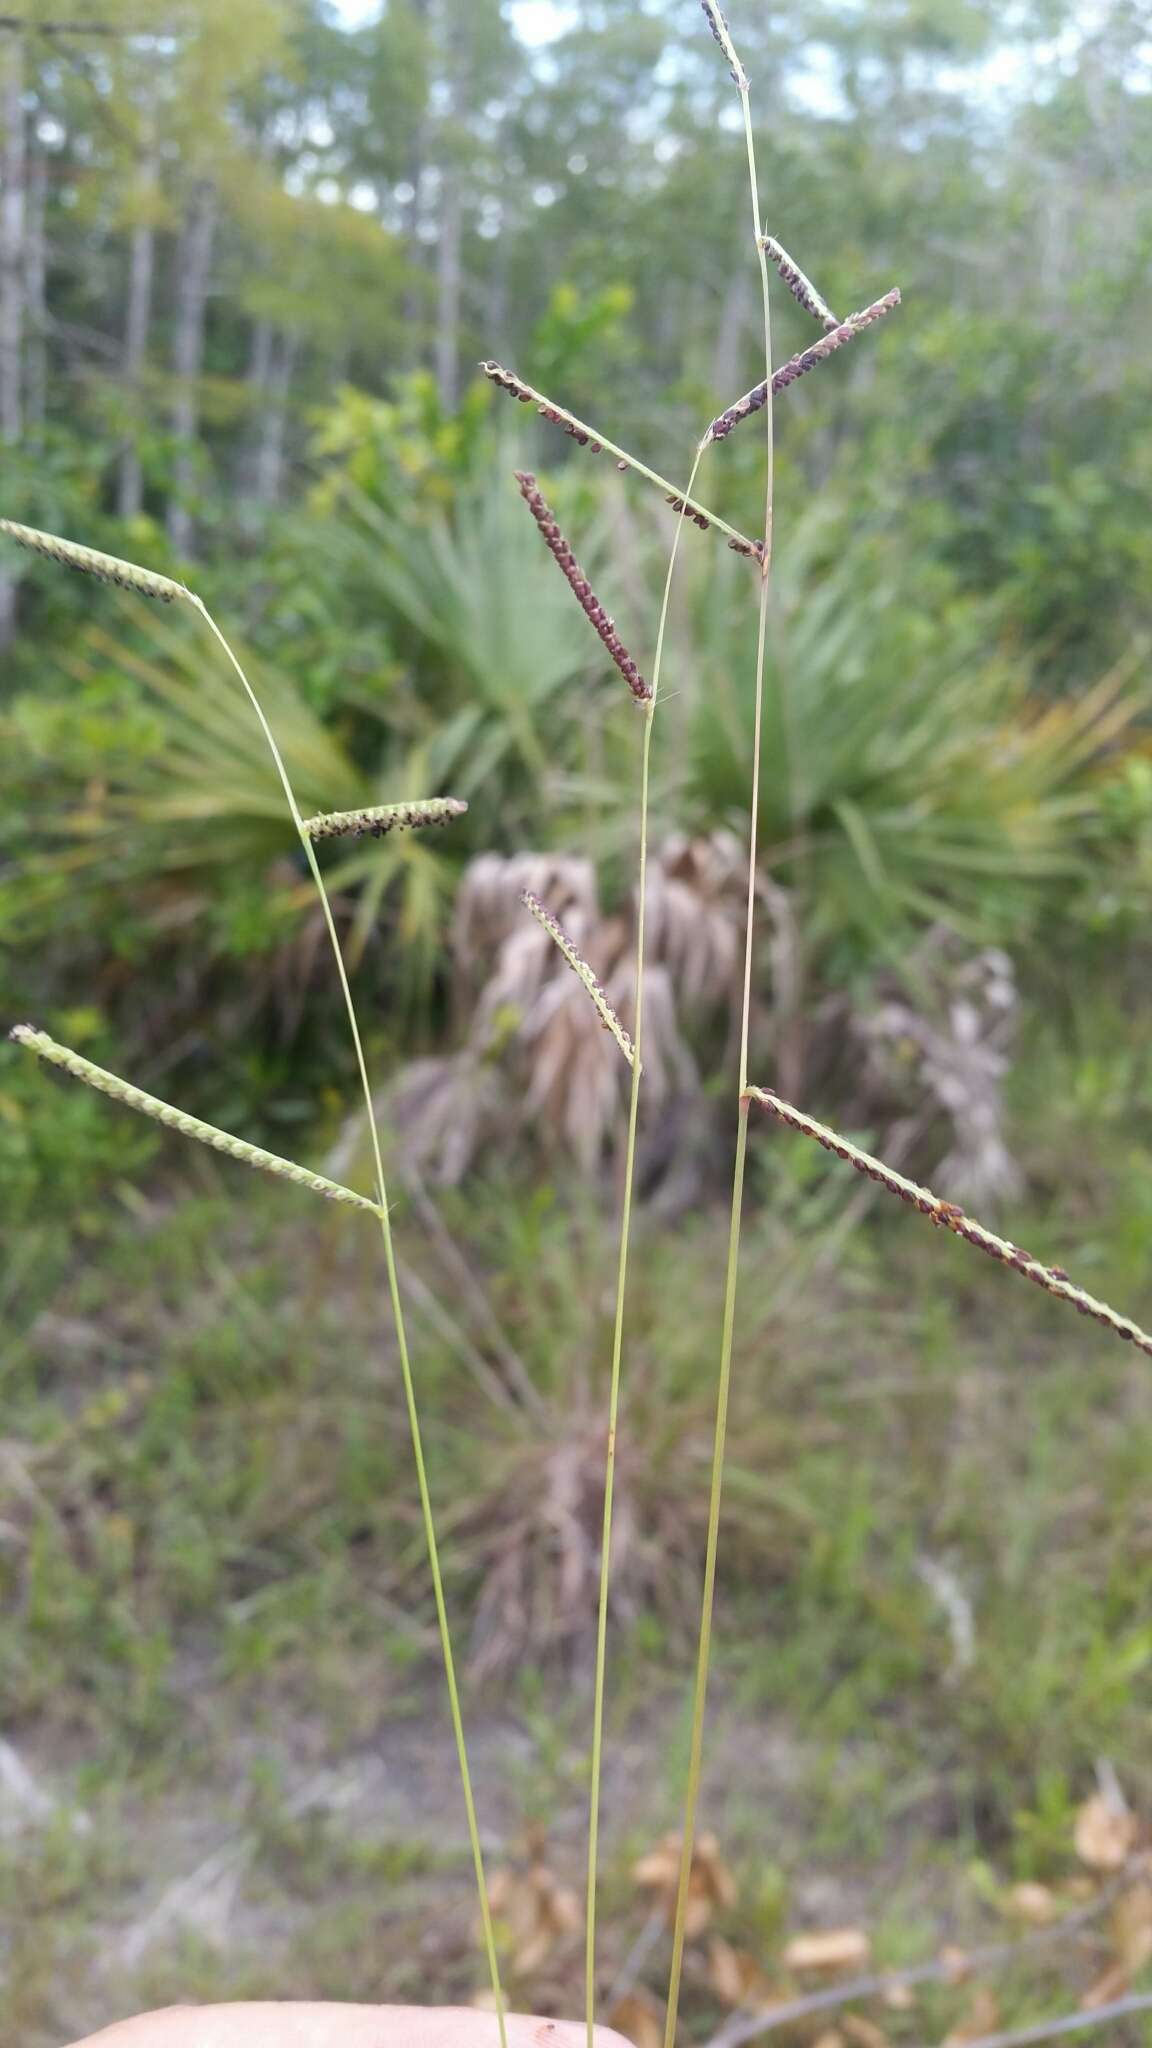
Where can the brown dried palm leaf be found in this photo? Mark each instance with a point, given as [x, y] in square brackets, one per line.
[536, 1054]
[948, 1047]
[696, 911]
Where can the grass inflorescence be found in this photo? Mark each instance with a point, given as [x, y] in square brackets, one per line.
[188, 1126]
[582, 971]
[798, 365]
[950, 1216]
[69, 554]
[376, 820]
[586, 598]
[802, 288]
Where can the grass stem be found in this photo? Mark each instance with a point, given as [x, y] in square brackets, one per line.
[489, 1936]
[704, 1645]
[621, 1290]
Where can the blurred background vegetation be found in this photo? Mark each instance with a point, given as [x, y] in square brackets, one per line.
[249, 257]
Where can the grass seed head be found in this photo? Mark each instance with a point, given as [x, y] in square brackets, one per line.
[106, 568]
[579, 585]
[802, 288]
[950, 1216]
[799, 365]
[582, 971]
[118, 1090]
[723, 36]
[378, 819]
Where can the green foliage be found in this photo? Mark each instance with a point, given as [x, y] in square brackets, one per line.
[912, 770]
[59, 1156]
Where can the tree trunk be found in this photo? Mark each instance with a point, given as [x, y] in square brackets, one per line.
[448, 290]
[413, 302]
[137, 322]
[194, 260]
[256, 381]
[36, 296]
[496, 336]
[448, 245]
[728, 352]
[268, 470]
[12, 278]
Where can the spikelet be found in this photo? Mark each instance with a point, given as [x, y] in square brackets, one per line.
[578, 583]
[1053, 1279]
[588, 437]
[178, 1119]
[582, 971]
[723, 35]
[802, 288]
[381, 818]
[107, 568]
[797, 366]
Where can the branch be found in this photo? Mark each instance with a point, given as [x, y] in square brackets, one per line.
[1053, 1279]
[1071, 2023]
[65, 28]
[742, 2027]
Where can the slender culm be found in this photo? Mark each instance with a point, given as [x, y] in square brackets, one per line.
[799, 365]
[573, 574]
[118, 1090]
[581, 970]
[600, 1677]
[378, 819]
[735, 1215]
[802, 288]
[948, 1216]
[91, 562]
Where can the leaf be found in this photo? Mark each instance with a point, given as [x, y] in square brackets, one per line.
[639, 2019]
[981, 2016]
[1105, 1833]
[710, 1883]
[1035, 1903]
[737, 1978]
[899, 1997]
[865, 2033]
[534, 1911]
[1132, 1927]
[840, 1948]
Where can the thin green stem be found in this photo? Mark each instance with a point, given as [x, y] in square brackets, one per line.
[401, 1332]
[621, 1293]
[704, 1646]
[704, 1651]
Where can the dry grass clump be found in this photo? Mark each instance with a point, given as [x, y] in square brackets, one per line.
[535, 1542]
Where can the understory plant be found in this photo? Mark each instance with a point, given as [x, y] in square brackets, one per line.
[623, 1020]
